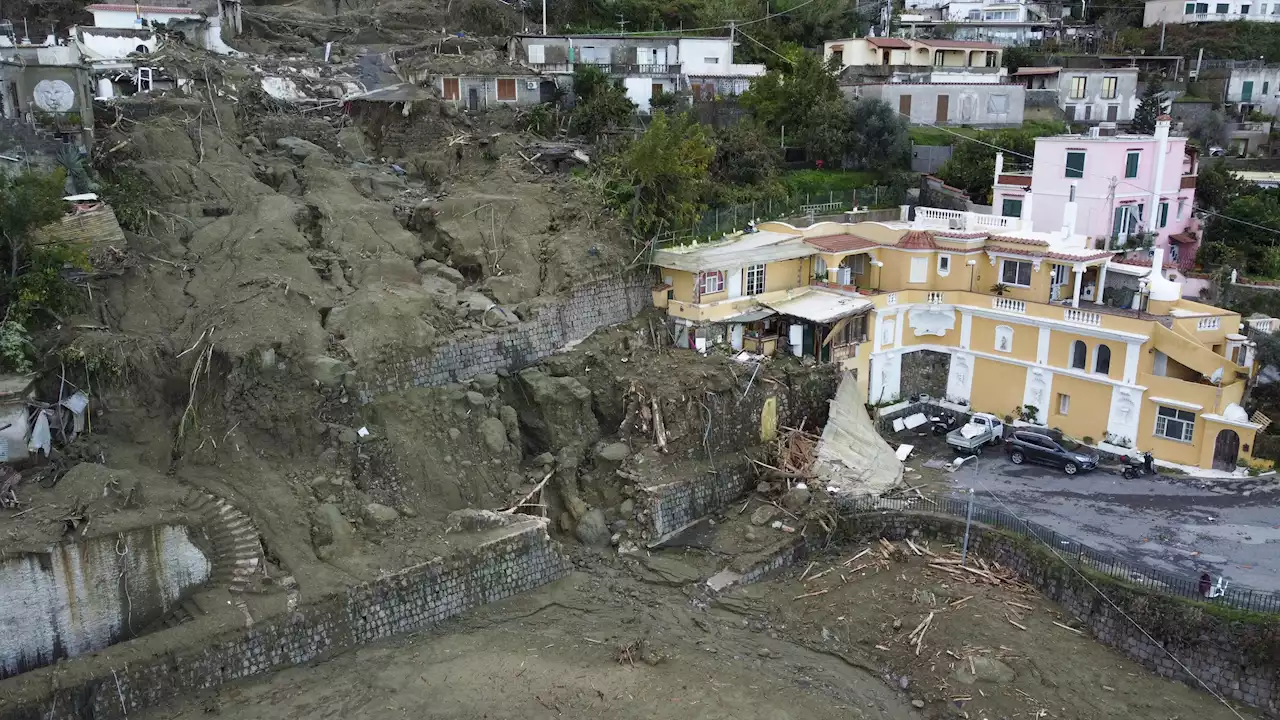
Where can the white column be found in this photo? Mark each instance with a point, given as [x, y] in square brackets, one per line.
[1102, 283]
[1132, 353]
[966, 329]
[1075, 297]
[1042, 346]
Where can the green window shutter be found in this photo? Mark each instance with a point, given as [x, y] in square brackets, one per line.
[1131, 165]
[1075, 164]
[1164, 214]
[1011, 208]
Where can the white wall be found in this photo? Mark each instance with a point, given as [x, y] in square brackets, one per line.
[695, 53]
[106, 47]
[124, 19]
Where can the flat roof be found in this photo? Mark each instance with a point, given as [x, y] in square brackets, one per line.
[1037, 71]
[764, 246]
[820, 305]
[624, 36]
[142, 9]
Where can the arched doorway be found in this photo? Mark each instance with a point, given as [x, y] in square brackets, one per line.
[1225, 450]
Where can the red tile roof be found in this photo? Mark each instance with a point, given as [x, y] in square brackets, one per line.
[840, 243]
[917, 240]
[1053, 255]
[948, 235]
[1019, 240]
[1140, 262]
[894, 43]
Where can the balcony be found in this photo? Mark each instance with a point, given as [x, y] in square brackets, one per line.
[939, 219]
[1228, 17]
[616, 69]
[1017, 179]
[1188, 182]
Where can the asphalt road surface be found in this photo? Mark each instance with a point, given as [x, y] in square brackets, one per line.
[1232, 530]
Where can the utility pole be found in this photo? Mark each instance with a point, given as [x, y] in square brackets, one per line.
[1162, 25]
[732, 31]
[1111, 205]
[964, 550]
[544, 18]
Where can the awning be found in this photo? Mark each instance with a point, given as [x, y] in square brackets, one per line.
[820, 306]
[749, 316]
[1182, 238]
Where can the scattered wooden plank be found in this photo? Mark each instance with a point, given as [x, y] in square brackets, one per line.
[913, 547]
[1015, 623]
[818, 575]
[1018, 605]
[805, 574]
[855, 557]
[812, 594]
[961, 601]
[1068, 627]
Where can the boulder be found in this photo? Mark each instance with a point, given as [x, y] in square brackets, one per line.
[508, 289]
[327, 371]
[473, 520]
[613, 452]
[298, 148]
[763, 514]
[626, 508]
[556, 412]
[985, 669]
[380, 514]
[592, 529]
[352, 142]
[475, 399]
[795, 498]
[485, 382]
[494, 434]
[438, 269]
[440, 288]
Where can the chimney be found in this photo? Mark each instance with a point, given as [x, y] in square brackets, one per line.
[999, 166]
[1157, 261]
[1025, 219]
[1069, 212]
[1162, 149]
[1162, 127]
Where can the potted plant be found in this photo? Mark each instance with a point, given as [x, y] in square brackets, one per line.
[999, 289]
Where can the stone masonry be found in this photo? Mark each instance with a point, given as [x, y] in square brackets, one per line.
[126, 682]
[666, 509]
[589, 307]
[1212, 648]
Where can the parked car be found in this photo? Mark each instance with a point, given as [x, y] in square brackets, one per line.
[982, 429]
[1055, 450]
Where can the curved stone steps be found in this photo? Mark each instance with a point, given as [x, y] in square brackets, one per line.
[236, 557]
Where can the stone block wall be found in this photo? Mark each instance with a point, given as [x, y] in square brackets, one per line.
[1238, 658]
[588, 307]
[925, 372]
[124, 682]
[664, 509]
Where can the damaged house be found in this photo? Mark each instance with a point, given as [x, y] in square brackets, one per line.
[984, 312]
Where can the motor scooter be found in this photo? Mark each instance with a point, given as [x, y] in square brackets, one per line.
[1138, 466]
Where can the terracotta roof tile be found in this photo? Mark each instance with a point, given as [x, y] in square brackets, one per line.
[1020, 240]
[894, 43]
[917, 240]
[1098, 255]
[840, 243]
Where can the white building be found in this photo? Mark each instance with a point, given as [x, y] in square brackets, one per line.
[700, 66]
[1006, 22]
[1180, 12]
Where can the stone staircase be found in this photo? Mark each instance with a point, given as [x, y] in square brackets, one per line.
[236, 552]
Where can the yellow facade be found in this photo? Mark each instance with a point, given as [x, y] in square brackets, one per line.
[1014, 345]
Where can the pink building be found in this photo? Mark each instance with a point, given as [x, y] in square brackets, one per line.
[1122, 185]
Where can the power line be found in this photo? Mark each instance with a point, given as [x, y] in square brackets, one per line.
[1111, 602]
[766, 47]
[722, 27]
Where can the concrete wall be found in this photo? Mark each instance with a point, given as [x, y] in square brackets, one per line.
[991, 105]
[1093, 107]
[123, 683]
[929, 158]
[589, 307]
[1236, 659]
[77, 597]
[1264, 91]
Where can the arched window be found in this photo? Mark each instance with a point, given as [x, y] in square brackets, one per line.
[1102, 360]
[1078, 354]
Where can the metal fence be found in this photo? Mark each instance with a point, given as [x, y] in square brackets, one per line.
[720, 220]
[1072, 551]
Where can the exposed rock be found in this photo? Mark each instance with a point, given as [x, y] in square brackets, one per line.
[454, 433]
[544, 459]
[473, 520]
[485, 382]
[558, 413]
[627, 507]
[328, 371]
[764, 488]
[985, 669]
[672, 571]
[795, 498]
[298, 148]
[494, 434]
[438, 269]
[592, 528]
[763, 514]
[613, 452]
[508, 289]
[380, 514]
[440, 288]
[475, 399]
[511, 421]
[352, 142]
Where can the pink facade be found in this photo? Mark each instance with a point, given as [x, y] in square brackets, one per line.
[1122, 185]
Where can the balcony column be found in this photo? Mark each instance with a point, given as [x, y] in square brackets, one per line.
[1075, 298]
[1102, 283]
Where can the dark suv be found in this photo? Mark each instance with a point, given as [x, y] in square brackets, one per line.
[1046, 448]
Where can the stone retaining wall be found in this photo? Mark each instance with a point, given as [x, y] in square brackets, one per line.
[663, 510]
[589, 307]
[1234, 653]
[122, 683]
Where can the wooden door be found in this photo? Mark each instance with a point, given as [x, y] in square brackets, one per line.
[904, 106]
[1225, 450]
[944, 108]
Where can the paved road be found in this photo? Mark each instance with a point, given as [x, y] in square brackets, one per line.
[1169, 525]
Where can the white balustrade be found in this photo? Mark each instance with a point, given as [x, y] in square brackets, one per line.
[1208, 323]
[1009, 305]
[1083, 317]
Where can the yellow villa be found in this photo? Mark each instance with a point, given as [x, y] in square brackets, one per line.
[980, 311]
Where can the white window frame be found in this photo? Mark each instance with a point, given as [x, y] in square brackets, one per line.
[1166, 423]
[944, 265]
[1005, 262]
[1084, 87]
[1064, 403]
[708, 286]
[919, 272]
[1097, 351]
[1071, 356]
[858, 264]
[753, 280]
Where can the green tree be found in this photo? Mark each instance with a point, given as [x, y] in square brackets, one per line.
[826, 132]
[1217, 187]
[1017, 56]
[747, 162]
[601, 103]
[27, 202]
[661, 179]
[972, 165]
[787, 96]
[1252, 247]
[1144, 118]
[879, 140]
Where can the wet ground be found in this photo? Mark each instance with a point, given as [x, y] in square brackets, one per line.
[1173, 524]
